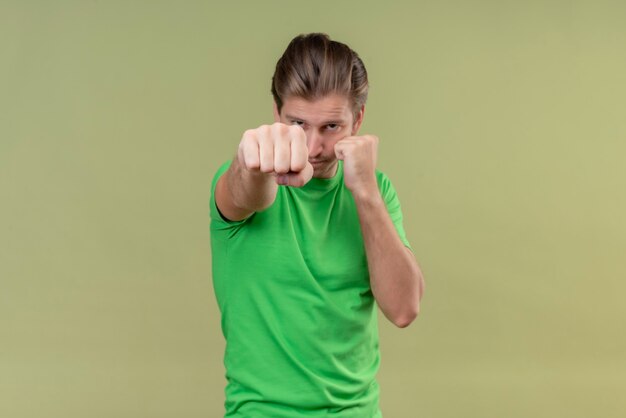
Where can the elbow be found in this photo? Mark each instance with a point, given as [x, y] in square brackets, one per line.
[407, 319]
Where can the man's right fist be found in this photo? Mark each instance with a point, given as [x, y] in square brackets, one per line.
[278, 149]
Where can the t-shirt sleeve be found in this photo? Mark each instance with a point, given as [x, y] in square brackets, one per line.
[388, 192]
[218, 221]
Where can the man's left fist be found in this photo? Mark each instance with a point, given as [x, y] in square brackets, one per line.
[359, 155]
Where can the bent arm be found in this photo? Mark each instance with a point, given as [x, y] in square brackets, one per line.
[396, 278]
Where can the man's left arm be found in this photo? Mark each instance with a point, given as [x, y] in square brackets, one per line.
[395, 276]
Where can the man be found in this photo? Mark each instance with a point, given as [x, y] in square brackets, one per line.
[306, 234]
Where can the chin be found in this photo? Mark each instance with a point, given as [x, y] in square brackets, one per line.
[323, 171]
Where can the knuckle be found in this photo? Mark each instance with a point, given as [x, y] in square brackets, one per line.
[299, 164]
[246, 146]
[296, 129]
[264, 129]
[248, 134]
[279, 126]
[252, 165]
[265, 140]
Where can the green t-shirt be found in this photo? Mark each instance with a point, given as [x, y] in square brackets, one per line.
[298, 314]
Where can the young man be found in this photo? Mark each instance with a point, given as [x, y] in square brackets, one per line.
[306, 234]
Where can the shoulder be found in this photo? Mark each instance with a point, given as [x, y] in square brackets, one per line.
[222, 168]
[218, 220]
[386, 188]
[383, 180]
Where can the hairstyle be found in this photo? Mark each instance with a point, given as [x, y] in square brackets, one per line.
[314, 66]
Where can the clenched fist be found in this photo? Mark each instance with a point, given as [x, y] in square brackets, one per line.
[279, 150]
[359, 155]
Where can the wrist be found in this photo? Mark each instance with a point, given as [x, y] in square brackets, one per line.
[367, 193]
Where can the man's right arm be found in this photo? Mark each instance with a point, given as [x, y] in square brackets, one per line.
[267, 156]
[240, 192]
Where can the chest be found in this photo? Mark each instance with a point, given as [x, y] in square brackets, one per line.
[317, 237]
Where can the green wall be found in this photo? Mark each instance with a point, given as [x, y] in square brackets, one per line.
[501, 124]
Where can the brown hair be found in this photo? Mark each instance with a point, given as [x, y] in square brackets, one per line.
[313, 66]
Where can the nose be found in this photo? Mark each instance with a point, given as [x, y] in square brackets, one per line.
[314, 143]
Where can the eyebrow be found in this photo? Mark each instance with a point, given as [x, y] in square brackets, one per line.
[335, 121]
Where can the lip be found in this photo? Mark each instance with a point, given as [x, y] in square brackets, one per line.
[316, 162]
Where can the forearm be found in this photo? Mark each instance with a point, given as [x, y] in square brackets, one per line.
[253, 191]
[395, 277]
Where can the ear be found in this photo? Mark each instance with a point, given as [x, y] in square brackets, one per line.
[275, 110]
[359, 120]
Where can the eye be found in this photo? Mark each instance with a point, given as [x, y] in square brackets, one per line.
[333, 126]
[298, 122]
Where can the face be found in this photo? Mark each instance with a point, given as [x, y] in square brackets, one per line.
[325, 121]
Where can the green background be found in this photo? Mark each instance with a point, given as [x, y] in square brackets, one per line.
[501, 124]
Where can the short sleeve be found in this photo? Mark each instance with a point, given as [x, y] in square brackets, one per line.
[218, 221]
[388, 192]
